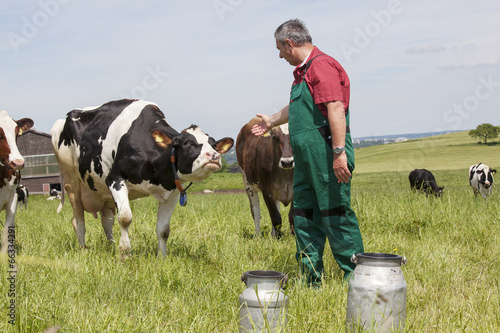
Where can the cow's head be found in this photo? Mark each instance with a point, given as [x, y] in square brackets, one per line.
[485, 175]
[197, 154]
[9, 131]
[439, 191]
[282, 147]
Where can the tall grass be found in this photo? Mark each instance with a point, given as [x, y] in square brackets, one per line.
[452, 245]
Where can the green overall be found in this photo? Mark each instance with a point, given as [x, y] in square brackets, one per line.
[322, 206]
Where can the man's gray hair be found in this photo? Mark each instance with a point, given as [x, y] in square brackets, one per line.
[294, 30]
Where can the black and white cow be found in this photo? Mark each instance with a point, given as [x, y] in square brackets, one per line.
[423, 180]
[481, 179]
[124, 150]
[22, 196]
[11, 162]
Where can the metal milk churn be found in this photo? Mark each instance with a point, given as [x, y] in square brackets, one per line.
[263, 305]
[376, 300]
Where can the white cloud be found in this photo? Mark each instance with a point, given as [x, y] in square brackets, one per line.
[426, 47]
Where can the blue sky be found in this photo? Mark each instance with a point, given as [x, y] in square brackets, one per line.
[415, 66]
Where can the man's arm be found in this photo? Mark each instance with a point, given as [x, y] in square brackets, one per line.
[269, 122]
[337, 122]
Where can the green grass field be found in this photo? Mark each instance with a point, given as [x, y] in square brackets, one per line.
[441, 152]
[452, 245]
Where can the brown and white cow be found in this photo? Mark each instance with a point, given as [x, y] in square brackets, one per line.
[124, 150]
[481, 179]
[11, 162]
[266, 164]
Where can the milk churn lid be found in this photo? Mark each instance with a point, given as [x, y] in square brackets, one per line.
[265, 274]
[378, 259]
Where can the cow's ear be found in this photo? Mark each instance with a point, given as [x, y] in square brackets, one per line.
[223, 145]
[161, 138]
[493, 171]
[24, 125]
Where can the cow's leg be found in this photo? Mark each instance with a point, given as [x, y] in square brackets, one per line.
[290, 219]
[124, 213]
[78, 220]
[165, 210]
[107, 220]
[253, 197]
[274, 211]
[10, 224]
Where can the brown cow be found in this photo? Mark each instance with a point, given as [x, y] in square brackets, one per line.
[266, 164]
[11, 162]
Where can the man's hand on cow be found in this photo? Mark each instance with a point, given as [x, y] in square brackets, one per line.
[340, 168]
[263, 126]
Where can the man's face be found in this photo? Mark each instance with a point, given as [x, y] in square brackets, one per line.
[286, 52]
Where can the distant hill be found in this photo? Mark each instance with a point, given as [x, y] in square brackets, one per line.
[367, 141]
[230, 156]
[440, 152]
[409, 136]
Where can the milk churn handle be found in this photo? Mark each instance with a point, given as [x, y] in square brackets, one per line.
[354, 259]
[404, 261]
[284, 282]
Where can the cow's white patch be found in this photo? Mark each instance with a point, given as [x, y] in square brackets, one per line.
[207, 161]
[284, 128]
[9, 128]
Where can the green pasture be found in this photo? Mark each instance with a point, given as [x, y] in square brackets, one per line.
[452, 245]
[441, 152]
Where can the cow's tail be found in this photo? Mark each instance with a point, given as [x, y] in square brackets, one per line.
[61, 203]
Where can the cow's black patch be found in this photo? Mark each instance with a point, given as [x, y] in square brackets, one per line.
[188, 149]
[88, 129]
[424, 181]
[138, 158]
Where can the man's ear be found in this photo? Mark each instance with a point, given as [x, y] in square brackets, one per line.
[161, 139]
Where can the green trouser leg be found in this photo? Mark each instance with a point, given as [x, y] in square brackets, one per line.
[311, 233]
[321, 209]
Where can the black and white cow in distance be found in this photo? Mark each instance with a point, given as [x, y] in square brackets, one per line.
[11, 162]
[423, 180]
[22, 196]
[481, 179]
[267, 164]
[121, 151]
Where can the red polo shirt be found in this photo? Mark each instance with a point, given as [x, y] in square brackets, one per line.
[326, 79]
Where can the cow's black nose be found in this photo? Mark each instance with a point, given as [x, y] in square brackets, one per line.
[286, 163]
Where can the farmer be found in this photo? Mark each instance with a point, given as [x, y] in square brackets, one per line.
[318, 120]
